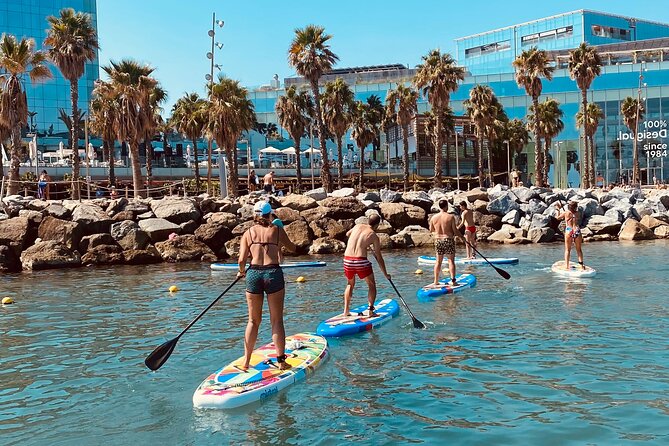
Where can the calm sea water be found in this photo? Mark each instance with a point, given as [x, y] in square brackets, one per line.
[536, 359]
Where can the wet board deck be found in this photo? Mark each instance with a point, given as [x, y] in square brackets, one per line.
[234, 266]
[575, 270]
[231, 387]
[347, 325]
[429, 260]
[464, 281]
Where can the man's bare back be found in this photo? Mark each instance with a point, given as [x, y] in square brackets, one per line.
[443, 225]
[360, 238]
[468, 218]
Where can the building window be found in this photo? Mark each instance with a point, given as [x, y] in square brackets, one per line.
[611, 32]
[557, 33]
[490, 48]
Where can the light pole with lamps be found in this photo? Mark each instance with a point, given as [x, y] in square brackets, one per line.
[210, 77]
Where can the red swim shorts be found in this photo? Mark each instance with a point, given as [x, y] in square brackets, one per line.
[471, 229]
[357, 265]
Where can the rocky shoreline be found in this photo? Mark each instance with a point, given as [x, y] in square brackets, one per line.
[37, 234]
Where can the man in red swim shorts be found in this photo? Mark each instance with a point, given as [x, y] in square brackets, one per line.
[470, 228]
[360, 239]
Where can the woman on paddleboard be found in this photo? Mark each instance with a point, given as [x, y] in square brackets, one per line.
[572, 232]
[261, 245]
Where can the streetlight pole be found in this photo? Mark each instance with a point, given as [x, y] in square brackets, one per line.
[210, 78]
[388, 162]
[311, 154]
[457, 160]
[558, 165]
[508, 163]
[635, 170]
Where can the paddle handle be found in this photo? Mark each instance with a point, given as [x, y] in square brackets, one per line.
[416, 322]
[207, 309]
[500, 271]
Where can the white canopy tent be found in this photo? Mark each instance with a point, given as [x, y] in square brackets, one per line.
[270, 149]
[313, 150]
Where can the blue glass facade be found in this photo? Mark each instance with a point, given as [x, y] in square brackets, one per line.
[623, 59]
[27, 18]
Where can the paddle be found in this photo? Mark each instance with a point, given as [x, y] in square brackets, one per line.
[161, 354]
[416, 322]
[500, 271]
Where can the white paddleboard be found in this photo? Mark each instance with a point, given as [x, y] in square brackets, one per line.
[575, 270]
[429, 260]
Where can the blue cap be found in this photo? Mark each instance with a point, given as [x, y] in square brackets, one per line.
[262, 208]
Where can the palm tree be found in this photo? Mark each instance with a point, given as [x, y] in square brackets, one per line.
[515, 132]
[550, 122]
[531, 66]
[377, 111]
[72, 41]
[294, 111]
[103, 112]
[336, 105]
[584, 66]
[17, 59]
[153, 109]
[132, 86]
[437, 77]
[633, 112]
[310, 55]
[67, 121]
[594, 114]
[402, 102]
[189, 118]
[481, 110]
[229, 114]
[363, 133]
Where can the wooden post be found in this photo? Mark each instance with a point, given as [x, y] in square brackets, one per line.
[126, 192]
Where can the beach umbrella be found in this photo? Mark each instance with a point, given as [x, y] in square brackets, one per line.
[289, 151]
[270, 149]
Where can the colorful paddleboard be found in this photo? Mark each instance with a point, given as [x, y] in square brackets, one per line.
[575, 270]
[429, 260]
[232, 387]
[463, 281]
[226, 266]
[347, 325]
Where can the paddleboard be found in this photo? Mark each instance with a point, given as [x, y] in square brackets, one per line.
[575, 270]
[226, 266]
[347, 325]
[232, 387]
[429, 260]
[464, 281]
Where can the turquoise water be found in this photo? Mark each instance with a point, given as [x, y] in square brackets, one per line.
[536, 359]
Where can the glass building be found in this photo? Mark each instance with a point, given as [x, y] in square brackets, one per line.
[635, 54]
[27, 18]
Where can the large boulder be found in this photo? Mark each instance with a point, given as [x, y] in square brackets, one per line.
[502, 205]
[661, 231]
[420, 199]
[400, 215]
[67, 232]
[315, 194]
[300, 202]
[401, 241]
[483, 232]
[418, 235]
[477, 193]
[103, 255]
[385, 241]
[614, 214]
[643, 208]
[120, 229]
[188, 227]
[232, 246]
[246, 212]
[524, 194]
[489, 220]
[9, 260]
[601, 224]
[240, 229]
[15, 233]
[541, 235]
[369, 196]
[340, 208]
[512, 218]
[540, 221]
[497, 191]
[158, 229]
[91, 241]
[534, 206]
[58, 210]
[383, 227]
[327, 227]
[185, 248]
[92, 218]
[49, 254]
[146, 256]
[479, 206]
[214, 235]
[116, 206]
[633, 230]
[298, 233]
[287, 215]
[226, 219]
[34, 217]
[314, 214]
[343, 192]
[651, 222]
[326, 246]
[390, 196]
[123, 215]
[590, 207]
[176, 210]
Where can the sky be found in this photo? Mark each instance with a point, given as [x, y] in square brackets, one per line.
[171, 35]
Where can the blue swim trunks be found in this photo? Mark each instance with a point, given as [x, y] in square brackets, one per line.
[264, 279]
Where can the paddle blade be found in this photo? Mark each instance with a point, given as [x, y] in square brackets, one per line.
[160, 355]
[417, 323]
[502, 273]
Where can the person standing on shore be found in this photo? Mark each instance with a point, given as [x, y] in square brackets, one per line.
[253, 181]
[572, 232]
[360, 239]
[261, 244]
[43, 185]
[470, 229]
[268, 182]
[444, 228]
